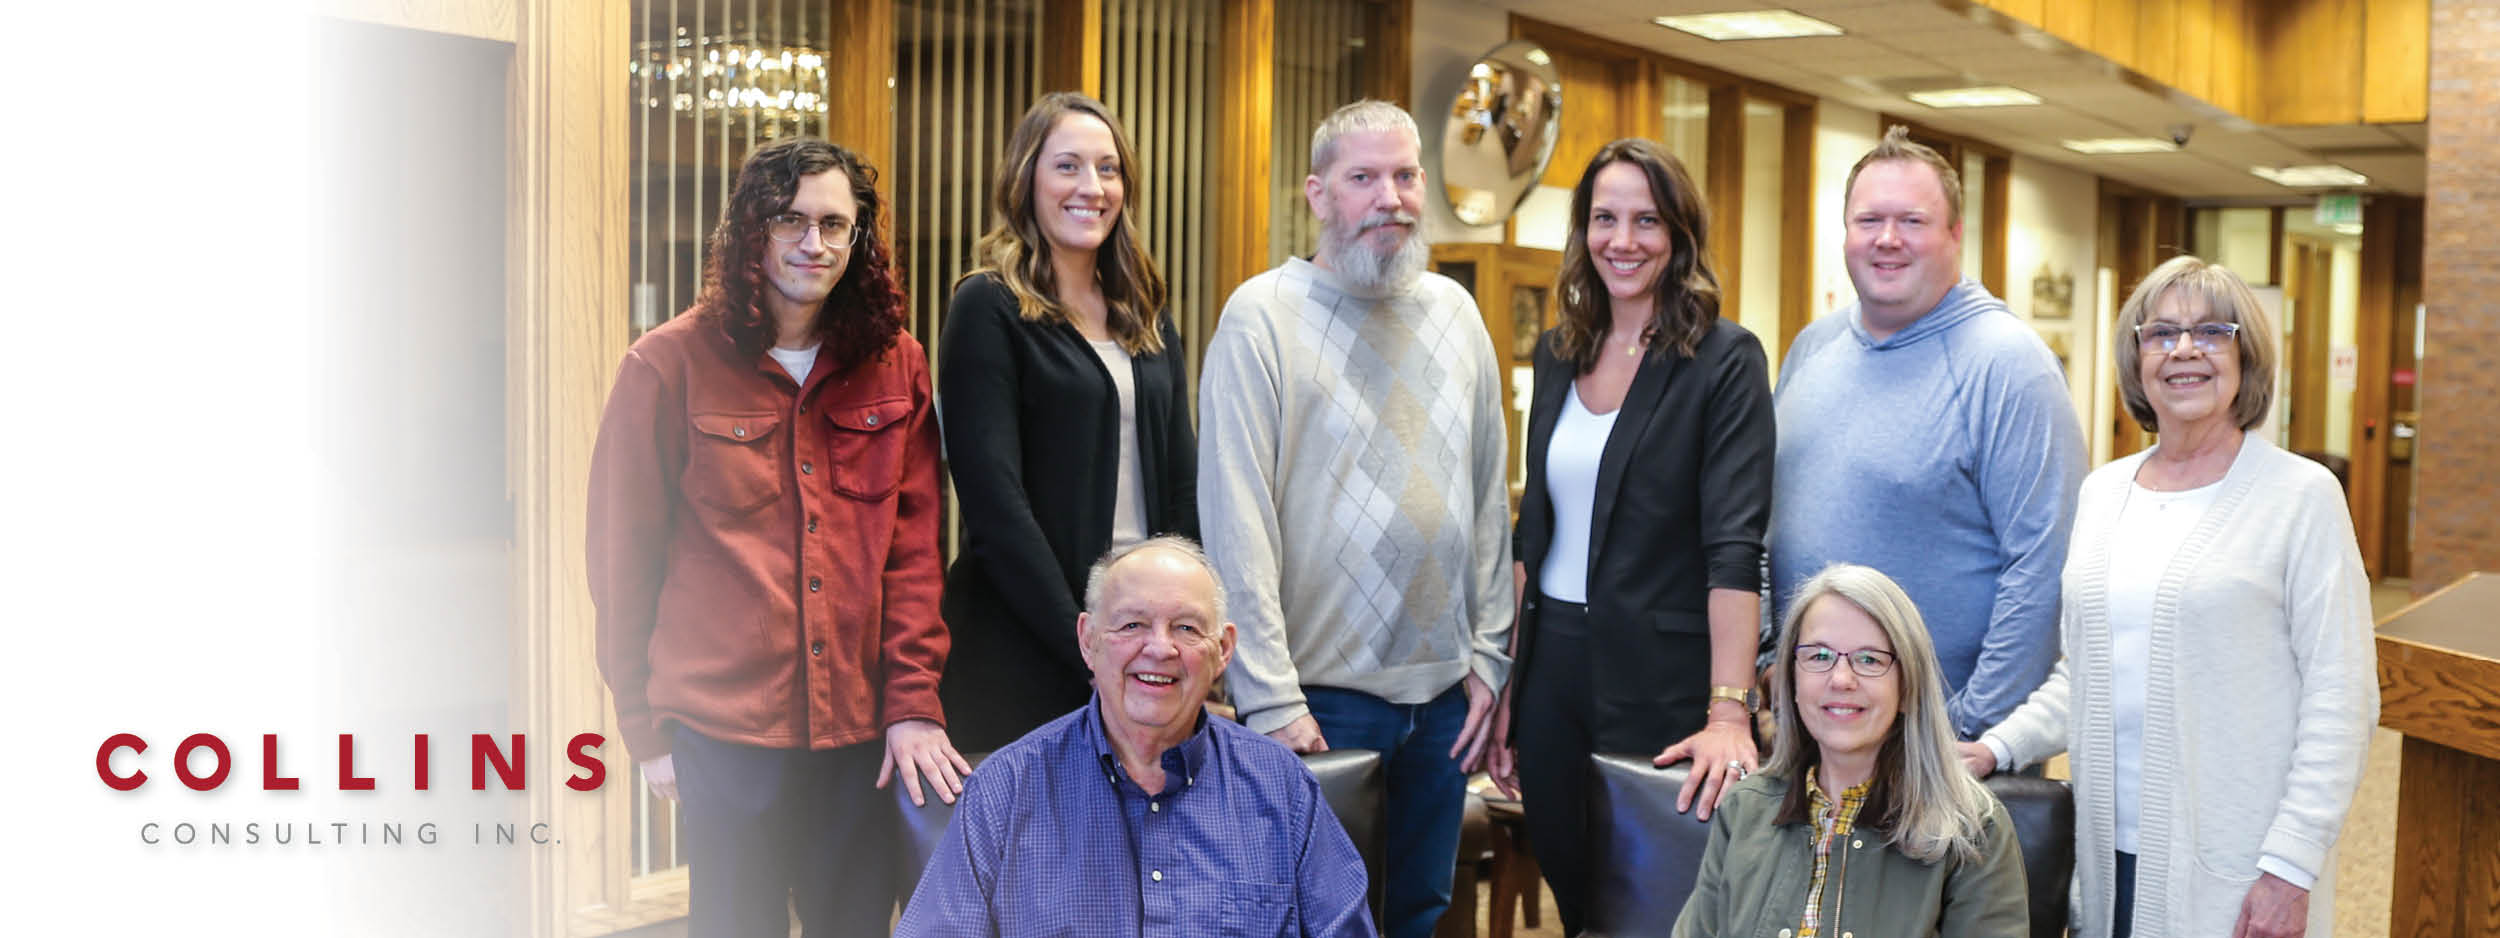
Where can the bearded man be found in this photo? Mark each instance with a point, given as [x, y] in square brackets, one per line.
[1353, 493]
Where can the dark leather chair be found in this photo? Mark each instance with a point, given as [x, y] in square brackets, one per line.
[918, 829]
[1356, 784]
[1648, 854]
[1354, 781]
[2044, 823]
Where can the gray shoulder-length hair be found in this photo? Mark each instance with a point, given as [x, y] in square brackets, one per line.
[1922, 796]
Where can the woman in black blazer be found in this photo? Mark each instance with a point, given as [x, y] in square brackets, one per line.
[1062, 398]
[1640, 531]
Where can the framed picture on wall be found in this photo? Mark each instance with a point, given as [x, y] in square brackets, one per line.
[2052, 295]
[1527, 320]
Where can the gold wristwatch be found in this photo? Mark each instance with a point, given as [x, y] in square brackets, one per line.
[1741, 696]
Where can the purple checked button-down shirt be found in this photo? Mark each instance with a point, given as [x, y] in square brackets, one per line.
[1052, 838]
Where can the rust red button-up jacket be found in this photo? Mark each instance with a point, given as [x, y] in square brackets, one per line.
[764, 554]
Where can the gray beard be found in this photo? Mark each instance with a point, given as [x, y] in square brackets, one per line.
[1368, 271]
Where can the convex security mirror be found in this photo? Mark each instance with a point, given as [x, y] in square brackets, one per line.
[1500, 132]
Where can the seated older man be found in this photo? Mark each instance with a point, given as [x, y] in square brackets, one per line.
[1141, 813]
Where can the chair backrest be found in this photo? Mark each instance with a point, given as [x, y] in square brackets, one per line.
[1356, 784]
[917, 829]
[1645, 853]
[2044, 823]
[1354, 781]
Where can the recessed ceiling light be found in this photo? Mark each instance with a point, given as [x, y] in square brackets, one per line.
[1985, 96]
[2348, 228]
[2324, 174]
[2103, 145]
[1753, 24]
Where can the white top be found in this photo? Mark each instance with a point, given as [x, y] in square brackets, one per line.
[797, 361]
[1571, 481]
[1128, 502]
[2151, 526]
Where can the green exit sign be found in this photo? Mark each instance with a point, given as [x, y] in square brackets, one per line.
[2342, 209]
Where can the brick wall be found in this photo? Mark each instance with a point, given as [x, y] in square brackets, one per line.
[2458, 466]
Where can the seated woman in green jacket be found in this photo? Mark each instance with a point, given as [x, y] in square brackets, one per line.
[1864, 822]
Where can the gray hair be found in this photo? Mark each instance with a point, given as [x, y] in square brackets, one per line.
[1175, 543]
[1365, 116]
[1936, 808]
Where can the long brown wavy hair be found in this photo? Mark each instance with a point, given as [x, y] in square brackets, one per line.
[863, 315]
[1688, 292]
[1016, 252]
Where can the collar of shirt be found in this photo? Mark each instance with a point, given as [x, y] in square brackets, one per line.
[1842, 816]
[1183, 762]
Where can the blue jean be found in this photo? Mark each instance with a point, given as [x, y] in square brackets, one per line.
[1427, 794]
[769, 828]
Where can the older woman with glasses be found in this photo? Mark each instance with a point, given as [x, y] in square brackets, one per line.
[2219, 683]
[1861, 824]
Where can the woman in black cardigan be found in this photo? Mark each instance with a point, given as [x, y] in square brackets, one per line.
[1640, 530]
[1062, 397]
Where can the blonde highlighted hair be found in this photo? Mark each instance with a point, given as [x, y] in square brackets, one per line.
[1922, 796]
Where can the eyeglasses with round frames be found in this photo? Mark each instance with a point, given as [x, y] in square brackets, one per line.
[838, 233]
[2212, 337]
[1868, 662]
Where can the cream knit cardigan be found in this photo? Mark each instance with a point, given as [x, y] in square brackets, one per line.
[2261, 693]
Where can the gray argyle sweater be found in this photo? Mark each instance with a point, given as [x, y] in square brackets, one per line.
[1352, 490]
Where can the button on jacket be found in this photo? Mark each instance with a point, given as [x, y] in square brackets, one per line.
[764, 554]
[1755, 874]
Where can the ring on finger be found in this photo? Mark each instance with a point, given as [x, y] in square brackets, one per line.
[1737, 767]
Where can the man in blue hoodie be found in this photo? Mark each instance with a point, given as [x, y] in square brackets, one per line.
[1926, 432]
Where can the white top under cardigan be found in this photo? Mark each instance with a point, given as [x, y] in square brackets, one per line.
[1571, 459]
[2261, 690]
[1128, 497]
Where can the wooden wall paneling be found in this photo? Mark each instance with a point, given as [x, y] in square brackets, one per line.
[1389, 56]
[1796, 224]
[493, 20]
[2384, 234]
[2309, 66]
[2274, 249]
[2396, 37]
[1647, 101]
[2070, 20]
[1072, 56]
[2229, 80]
[2157, 40]
[568, 191]
[2192, 52]
[2113, 30]
[2312, 268]
[2396, 512]
[1726, 191]
[1247, 86]
[1993, 215]
[863, 62]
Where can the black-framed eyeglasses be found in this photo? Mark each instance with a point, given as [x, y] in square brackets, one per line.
[838, 233]
[1868, 662]
[2212, 337]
